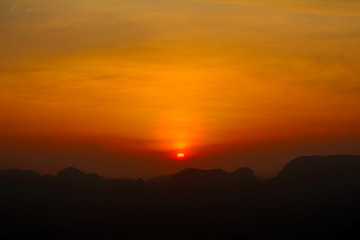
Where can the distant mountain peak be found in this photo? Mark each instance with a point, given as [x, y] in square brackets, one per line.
[77, 177]
[312, 167]
[243, 174]
[70, 172]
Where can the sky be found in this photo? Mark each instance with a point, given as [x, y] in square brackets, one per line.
[119, 87]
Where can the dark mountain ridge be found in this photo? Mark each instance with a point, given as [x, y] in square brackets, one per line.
[317, 167]
[197, 177]
[301, 169]
[314, 197]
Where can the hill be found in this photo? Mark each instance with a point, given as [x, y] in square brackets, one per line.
[312, 197]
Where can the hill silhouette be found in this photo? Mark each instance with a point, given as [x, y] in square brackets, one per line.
[312, 197]
[196, 178]
[318, 167]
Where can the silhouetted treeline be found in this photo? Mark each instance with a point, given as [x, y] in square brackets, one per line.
[311, 198]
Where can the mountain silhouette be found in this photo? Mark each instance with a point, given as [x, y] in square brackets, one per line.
[244, 175]
[195, 177]
[75, 177]
[312, 197]
[71, 173]
[320, 167]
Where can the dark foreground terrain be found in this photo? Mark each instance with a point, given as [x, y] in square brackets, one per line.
[311, 198]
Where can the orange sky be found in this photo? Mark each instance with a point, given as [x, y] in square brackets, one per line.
[118, 87]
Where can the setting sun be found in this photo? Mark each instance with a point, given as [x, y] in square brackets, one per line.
[204, 83]
[180, 156]
[180, 118]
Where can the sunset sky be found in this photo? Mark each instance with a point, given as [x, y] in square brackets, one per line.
[119, 87]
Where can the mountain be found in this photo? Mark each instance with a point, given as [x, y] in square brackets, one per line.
[312, 197]
[319, 180]
[312, 168]
[197, 177]
[71, 174]
[245, 175]
[301, 169]
[75, 177]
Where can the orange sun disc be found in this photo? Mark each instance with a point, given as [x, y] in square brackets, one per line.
[180, 156]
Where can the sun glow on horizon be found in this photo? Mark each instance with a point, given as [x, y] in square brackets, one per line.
[199, 78]
[180, 156]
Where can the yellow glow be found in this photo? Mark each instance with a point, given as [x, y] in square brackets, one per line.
[180, 155]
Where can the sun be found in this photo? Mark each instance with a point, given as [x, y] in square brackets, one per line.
[180, 156]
